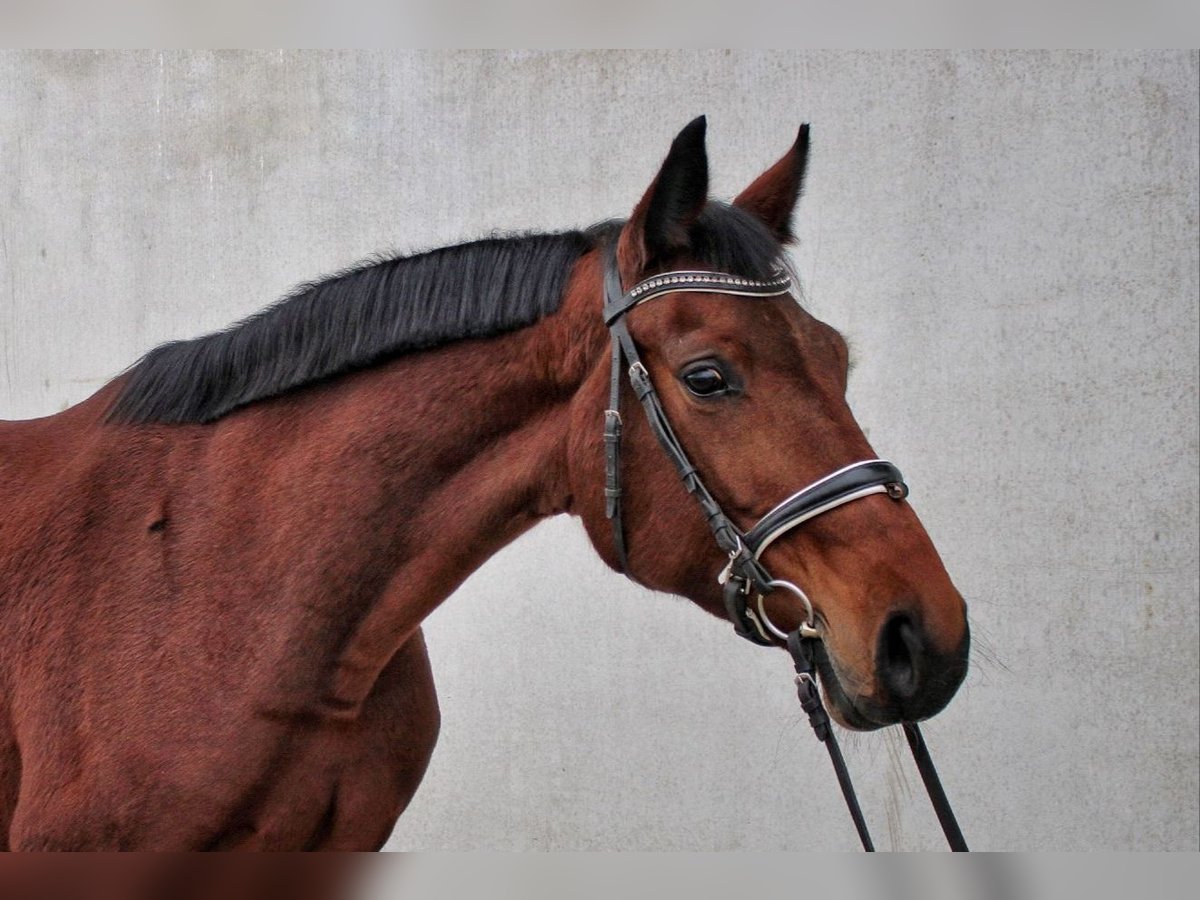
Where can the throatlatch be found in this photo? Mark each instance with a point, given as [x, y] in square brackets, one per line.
[744, 574]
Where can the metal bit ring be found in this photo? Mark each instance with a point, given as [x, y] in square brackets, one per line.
[807, 628]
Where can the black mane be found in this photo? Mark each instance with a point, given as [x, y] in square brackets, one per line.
[384, 308]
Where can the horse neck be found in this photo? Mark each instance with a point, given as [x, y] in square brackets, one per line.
[408, 476]
[464, 445]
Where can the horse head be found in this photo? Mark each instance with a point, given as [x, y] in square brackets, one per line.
[753, 389]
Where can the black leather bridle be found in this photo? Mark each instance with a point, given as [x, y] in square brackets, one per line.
[744, 573]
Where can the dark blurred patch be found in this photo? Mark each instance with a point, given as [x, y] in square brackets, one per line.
[980, 876]
[146, 876]
[782, 876]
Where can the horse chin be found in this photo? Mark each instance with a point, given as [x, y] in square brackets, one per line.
[842, 709]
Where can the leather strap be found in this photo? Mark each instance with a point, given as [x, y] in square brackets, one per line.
[873, 476]
[801, 650]
[933, 787]
[612, 428]
[624, 350]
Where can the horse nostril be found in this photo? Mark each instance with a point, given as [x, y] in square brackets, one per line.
[899, 656]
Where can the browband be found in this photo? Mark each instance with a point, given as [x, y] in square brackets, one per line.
[698, 282]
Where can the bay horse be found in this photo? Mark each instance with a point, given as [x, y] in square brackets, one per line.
[213, 572]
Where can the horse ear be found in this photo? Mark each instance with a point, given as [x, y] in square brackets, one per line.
[660, 222]
[773, 195]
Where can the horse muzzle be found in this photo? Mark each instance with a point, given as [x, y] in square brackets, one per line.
[912, 679]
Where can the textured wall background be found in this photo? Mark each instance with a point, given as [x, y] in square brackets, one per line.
[1009, 241]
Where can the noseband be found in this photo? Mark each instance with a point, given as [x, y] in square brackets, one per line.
[744, 573]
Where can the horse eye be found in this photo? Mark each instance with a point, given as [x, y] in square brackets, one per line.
[705, 381]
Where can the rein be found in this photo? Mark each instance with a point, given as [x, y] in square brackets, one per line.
[744, 574]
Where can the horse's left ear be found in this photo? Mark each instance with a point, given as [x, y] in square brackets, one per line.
[659, 225]
[773, 195]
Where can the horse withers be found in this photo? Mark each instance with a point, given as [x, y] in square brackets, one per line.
[214, 571]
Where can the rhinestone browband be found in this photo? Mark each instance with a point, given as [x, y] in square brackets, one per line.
[698, 282]
[675, 278]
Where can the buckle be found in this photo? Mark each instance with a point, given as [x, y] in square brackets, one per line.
[734, 554]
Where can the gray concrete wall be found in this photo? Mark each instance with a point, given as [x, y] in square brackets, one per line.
[1010, 243]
